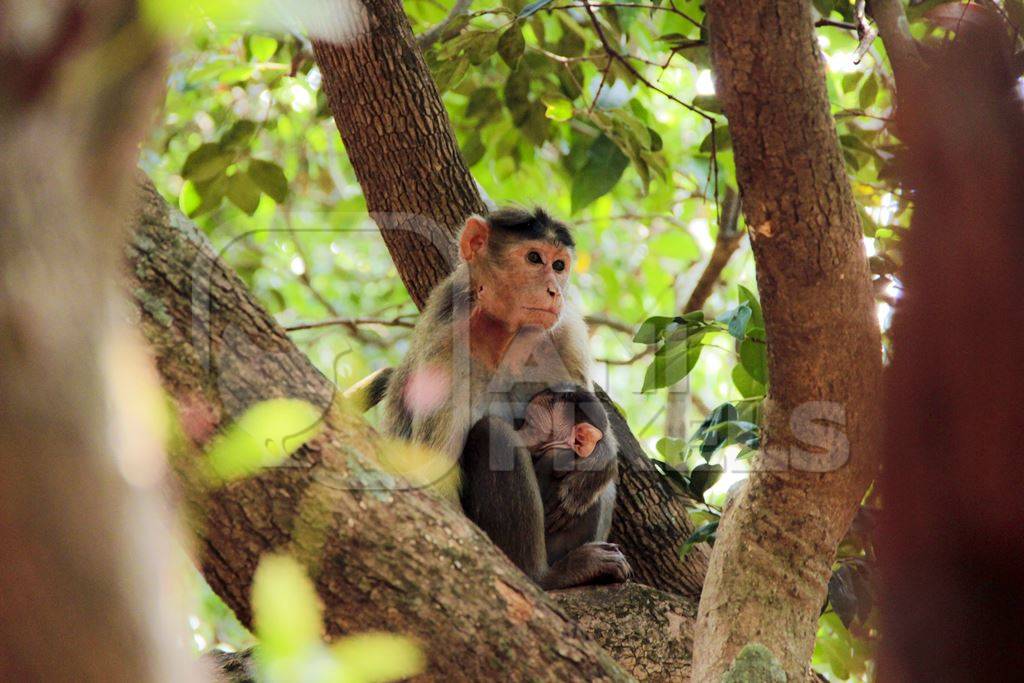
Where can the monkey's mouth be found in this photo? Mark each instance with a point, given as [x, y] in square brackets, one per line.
[552, 312]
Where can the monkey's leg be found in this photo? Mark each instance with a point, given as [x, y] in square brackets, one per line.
[500, 494]
[593, 525]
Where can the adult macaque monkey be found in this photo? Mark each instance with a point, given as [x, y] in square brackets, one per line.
[504, 324]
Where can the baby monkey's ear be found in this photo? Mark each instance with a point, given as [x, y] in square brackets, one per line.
[584, 438]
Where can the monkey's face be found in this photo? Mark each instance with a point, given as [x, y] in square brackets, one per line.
[554, 420]
[527, 285]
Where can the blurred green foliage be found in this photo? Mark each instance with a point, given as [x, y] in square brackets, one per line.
[620, 142]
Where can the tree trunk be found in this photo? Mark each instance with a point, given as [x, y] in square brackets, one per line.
[768, 574]
[417, 188]
[82, 537]
[400, 143]
[382, 556]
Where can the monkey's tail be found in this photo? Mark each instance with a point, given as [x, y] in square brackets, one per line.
[369, 391]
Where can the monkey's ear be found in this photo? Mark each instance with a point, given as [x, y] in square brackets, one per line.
[584, 438]
[474, 237]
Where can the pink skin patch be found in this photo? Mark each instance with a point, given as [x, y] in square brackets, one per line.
[426, 390]
[585, 438]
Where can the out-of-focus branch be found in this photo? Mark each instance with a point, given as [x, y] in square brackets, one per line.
[727, 241]
[354, 323]
[894, 30]
[434, 33]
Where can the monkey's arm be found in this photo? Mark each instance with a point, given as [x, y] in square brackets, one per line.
[579, 489]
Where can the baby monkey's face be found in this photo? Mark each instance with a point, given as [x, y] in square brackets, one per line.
[563, 419]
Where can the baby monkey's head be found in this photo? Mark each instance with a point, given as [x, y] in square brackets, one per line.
[570, 418]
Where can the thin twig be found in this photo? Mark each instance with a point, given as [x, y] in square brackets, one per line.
[615, 55]
[836, 24]
[631, 5]
[865, 31]
[350, 323]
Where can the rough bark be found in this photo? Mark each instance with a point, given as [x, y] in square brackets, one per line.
[646, 630]
[402, 147]
[81, 538]
[382, 557]
[952, 582]
[768, 574]
[398, 138]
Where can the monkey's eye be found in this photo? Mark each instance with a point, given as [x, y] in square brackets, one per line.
[534, 257]
[558, 265]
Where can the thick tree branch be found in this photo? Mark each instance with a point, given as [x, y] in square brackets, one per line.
[647, 630]
[383, 556]
[894, 30]
[776, 543]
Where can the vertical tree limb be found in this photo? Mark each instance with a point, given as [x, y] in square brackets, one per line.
[80, 526]
[952, 580]
[768, 573]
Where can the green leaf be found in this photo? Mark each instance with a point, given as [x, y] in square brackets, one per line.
[205, 162]
[749, 298]
[482, 104]
[753, 359]
[652, 329]
[236, 74]
[559, 109]
[851, 80]
[532, 8]
[379, 657]
[704, 533]
[450, 73]
[517, 91]
[671, 363]
[265, 435]
[602, 169]
[536, 127]
[868, 92]
[262, 48]
[480, 45]
[189, 199]
[286, 609]
[703, 477]
[270, 178]
[473, 151]
[511, 45]
[737, 320]
[708, 103]
[723, 140]
[671, 449]
[745, 384]
[238, 135]
[674, 475]
[212, 193]
[243, 192]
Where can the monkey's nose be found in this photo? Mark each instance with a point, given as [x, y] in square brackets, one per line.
[553, 292]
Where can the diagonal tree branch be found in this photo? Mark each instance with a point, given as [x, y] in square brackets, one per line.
[383, 556]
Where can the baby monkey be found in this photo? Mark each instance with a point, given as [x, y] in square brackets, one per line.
[563, 453]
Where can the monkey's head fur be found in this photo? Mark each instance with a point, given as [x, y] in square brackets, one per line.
[519, 263]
